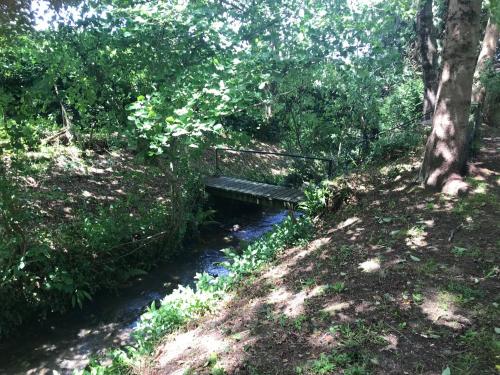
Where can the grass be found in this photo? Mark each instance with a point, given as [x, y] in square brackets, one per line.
[431, 305]
[351, 354]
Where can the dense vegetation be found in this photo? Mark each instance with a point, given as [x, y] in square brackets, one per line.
[108, 110]
[160, 82]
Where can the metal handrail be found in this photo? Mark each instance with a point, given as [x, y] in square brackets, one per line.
[306, 157]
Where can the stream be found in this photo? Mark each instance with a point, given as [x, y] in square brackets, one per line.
[65, 343]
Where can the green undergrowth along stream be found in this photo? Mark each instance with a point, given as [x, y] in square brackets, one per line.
[186, 304]
[73, 223]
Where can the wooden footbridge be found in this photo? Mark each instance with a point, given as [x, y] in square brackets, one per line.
[257, 192]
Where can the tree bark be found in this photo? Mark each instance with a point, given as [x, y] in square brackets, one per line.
[446, 149]
[428, 55]
[486, 56]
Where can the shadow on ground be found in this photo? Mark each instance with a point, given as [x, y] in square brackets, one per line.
[403, 282]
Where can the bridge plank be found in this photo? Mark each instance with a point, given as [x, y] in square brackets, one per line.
[256, 190]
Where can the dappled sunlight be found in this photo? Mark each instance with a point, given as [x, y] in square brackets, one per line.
[185, 343]
[370, 265]
[364, 307]
[440, 307]
[392, 341]
[355, 233]
[335, 308]
[399, 285]
[344, 224]
[292, 304]
[318, 243]
[321, 340]
[416, 237]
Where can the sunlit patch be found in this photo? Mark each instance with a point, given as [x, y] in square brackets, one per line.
[428, 223]
[399, 188]
[86, 194]
[415, 237]
[348, 222]
[203, 344]
[292, 304]
[321, 339]
[364, 307]
[481, 188]
[84, 332]
[370, 265]
[441, 308]
[279, 295]
[318, 243]
[455, 187]
[334, 308]
[391, 340]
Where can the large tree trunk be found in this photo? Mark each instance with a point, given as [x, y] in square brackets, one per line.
[428, 55]
[478, 96]
[446, 150]
[486, 56]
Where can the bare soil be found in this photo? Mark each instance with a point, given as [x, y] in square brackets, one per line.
[400, 281]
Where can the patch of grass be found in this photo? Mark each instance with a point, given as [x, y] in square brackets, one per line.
[350, 363]
[458, 251]
[482, 348]
[463, 251]
[430, 267]
[343, 254]
[217, 371]
[417, 298]
[308, 283]
[299, 321]
[463, 292]
[472, 204]
[335, 288]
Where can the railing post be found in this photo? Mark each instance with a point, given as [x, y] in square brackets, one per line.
[330, 168]
[217, 172]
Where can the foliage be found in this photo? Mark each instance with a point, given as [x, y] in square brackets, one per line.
[186, 304]
[165, 80]
[327, 196]
[155, 74]
[48, 267]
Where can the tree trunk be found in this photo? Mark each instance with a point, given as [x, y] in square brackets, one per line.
[446, 149]
[428, 55]
[478, 96]
[487, 55]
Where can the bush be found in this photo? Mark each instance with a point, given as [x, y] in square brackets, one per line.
[48, 267]
[400, 121]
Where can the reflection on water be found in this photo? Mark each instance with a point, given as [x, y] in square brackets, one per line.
[65, 343]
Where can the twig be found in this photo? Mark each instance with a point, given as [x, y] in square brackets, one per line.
[151, 237]
[54, 136]
[452, 234]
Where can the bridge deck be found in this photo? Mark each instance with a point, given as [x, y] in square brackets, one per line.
[254, 191]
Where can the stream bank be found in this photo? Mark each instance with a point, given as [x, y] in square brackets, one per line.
[67, 343]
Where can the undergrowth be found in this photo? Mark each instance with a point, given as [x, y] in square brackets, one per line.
[186, 304]
[64, 237]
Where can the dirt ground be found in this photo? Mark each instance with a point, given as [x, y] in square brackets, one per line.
[400, 281]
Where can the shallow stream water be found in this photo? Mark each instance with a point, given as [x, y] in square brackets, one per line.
[66, 342]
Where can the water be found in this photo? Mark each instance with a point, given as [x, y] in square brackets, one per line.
[66, 343]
